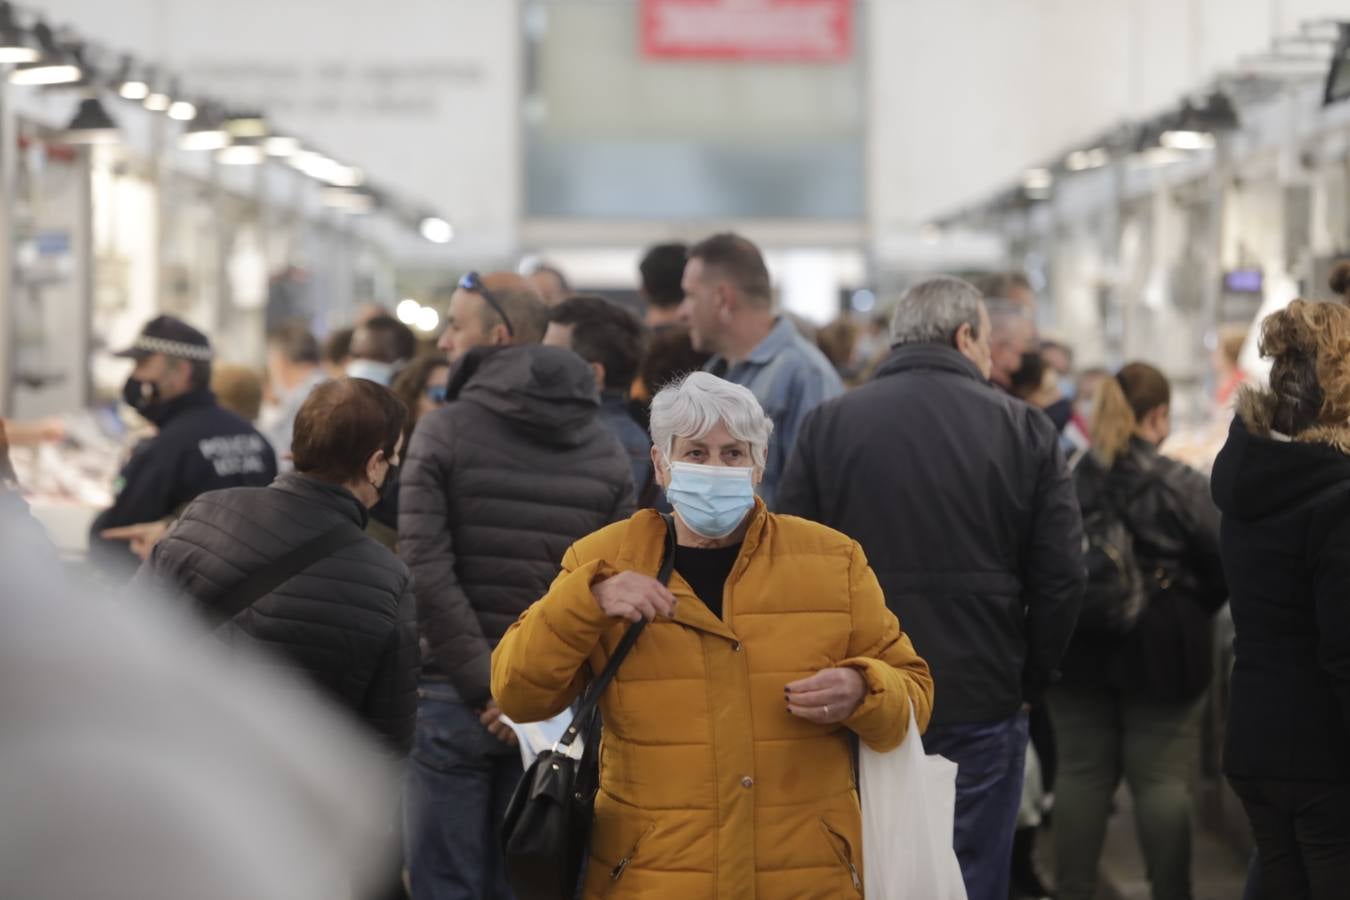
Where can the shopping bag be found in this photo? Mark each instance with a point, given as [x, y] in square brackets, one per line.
[534, 738]
[908, 816]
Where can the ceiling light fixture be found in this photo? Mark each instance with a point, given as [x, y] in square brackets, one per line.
[91, 125]
[207, 131]
[130, 86]
[428, 319]
[16, 45]
[1187, 140]
[56, 66]
[158, 101]
[281, 146]
[246, 125]
[355, 202]
[242, 152]
[345, 176]
[1037, 179]
[1082, 160]
[436, 230]
[407, 310]
[182, 111]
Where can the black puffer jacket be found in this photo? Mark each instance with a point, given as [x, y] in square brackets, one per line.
[960, 496]
[495, 487]
[1169, 655]
[348, 622]
[1286, 548]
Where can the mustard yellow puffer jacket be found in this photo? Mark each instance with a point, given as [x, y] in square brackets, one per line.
[708, 787]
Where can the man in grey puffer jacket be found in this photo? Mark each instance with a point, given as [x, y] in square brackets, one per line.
[496, 487]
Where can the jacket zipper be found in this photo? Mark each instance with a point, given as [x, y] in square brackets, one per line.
[844, 854]
[617, 872]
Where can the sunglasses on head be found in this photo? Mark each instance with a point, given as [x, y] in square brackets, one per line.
[471, 282]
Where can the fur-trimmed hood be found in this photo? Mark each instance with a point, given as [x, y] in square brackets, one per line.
[1256, 409]
[1260, 475]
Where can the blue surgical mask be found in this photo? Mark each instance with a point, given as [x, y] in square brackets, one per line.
[712, 500]
[370, 370]
[1068, 386]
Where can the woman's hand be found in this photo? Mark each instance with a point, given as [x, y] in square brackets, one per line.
[632, 596]
[829, 696]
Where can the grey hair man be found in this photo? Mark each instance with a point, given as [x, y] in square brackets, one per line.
[728, 306]
[960, 497]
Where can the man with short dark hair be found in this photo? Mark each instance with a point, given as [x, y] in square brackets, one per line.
[728, 305]
[611, 339]
[500, 309]
[960, 498]
[293, 371]
[662, 286]
[200, 447]
[337, 352]
[380, 347]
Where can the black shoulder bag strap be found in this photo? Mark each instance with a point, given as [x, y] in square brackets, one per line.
[586, 718]
[280, 570]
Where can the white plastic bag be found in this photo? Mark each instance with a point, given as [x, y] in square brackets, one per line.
[536, 737]
[908, 816]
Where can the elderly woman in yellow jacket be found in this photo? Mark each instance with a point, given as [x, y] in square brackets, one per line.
[725, 768]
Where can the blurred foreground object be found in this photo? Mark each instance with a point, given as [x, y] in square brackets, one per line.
[135, 763]
[141, 538]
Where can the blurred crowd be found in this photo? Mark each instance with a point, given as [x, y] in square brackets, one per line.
[933, 520]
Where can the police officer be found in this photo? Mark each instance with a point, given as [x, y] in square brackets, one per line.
[199, 447]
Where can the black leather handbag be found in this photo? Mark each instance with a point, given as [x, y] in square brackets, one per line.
[548, 822]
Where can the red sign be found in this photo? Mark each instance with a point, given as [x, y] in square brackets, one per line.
[778, 30]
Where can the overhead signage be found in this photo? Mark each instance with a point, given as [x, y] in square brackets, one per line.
[748, 30]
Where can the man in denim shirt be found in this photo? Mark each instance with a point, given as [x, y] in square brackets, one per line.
[728, 304]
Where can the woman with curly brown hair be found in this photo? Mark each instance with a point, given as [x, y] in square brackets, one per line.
[1283, 484]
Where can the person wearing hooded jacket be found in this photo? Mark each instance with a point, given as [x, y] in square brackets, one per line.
[498, 484]
[1282, 483]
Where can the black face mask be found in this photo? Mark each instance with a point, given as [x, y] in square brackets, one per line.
[388, 491]
[1030, 372]
[144, 397]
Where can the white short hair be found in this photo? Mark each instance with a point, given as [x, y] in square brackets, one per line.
[692, 407]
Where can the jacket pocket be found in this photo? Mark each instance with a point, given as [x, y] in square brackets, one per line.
[843, 851]
[616, 873]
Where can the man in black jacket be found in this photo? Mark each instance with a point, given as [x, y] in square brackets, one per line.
[200, 446]
[960, 497]
[497, 485]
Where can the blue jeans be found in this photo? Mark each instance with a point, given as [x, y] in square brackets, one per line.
[460, 779]
[990, 757]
